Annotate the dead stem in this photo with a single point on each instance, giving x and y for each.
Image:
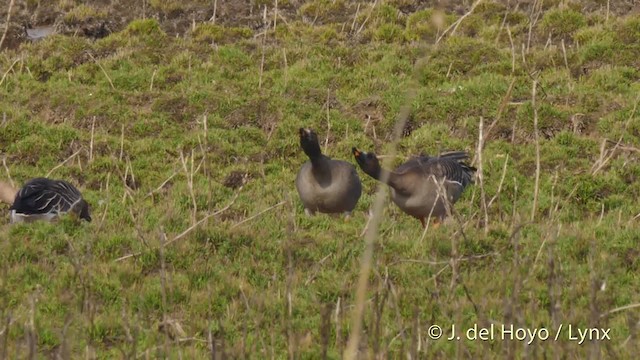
(536, 189)
(370, 237)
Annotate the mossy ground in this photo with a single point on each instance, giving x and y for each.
(155, 125)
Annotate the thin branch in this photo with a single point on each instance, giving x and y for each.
(6, 24)
(621, 308)
(603, 160)
(8, 70)
(93, 127)
(187, 231)
(6, 169)
(103, 70)
(258, 214)
(536, 189)
(480, 175)
(184, 233)
(453, 27)
(504, 173)
(370, 237)
(161, 185)
(62, 163)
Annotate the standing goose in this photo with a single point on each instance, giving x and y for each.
(326, 185)
(46, 199)
(413, 184)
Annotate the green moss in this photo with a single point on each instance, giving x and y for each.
(628, 30)
(170, 7)
(324, 11)
(146, 27)
(210, 33)
(388, 33)
(562, 22)
(82, 13)
(463, 55)
(383, 14)
(425, 24)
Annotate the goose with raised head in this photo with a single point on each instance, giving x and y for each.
(326, 185)
(419, 186)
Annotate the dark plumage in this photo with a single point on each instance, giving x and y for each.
(413, 184)
(326, 185)
(46, 199)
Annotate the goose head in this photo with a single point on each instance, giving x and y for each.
(368, 162)
(309, 143)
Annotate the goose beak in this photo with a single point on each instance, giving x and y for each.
(305, 132)
(356, 152)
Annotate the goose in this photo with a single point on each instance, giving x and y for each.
(413, 184)
(38, 32)
(46, 199)
(326, 185)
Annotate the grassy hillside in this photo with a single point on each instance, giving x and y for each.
(180, 128)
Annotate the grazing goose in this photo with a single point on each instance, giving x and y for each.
(413, 184)
(46, 199)
(38, 32)
(326, 185)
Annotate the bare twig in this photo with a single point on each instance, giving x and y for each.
(370, 237)
(504, 173)
(316, 269)
(513, 51)
(215, 9)
(603, 160)
(564, 55)
(153, 76)
(6, 24)
(263, 45)
(621, 308)
(503, 105)
(275, 15)
(93, 127)
(163, 292)
(187, 231)
(189, 173)
(161, 185)
(453, 27)
(258, 214)
(480, 175)
(121, 143)
(103, 70)
(62, 163)
(355, 17)
(6, 169)
(368, 16)
(536, 188)
(326, 139)
(8, 70)
(106, 208)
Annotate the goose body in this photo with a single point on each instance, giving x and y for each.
(39, 32)
(326, 185)
(420, 186)
(46, 199)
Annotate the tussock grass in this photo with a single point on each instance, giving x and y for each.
(185, 147)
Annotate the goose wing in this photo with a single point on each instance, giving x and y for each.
(41, 196)
(448, 166)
